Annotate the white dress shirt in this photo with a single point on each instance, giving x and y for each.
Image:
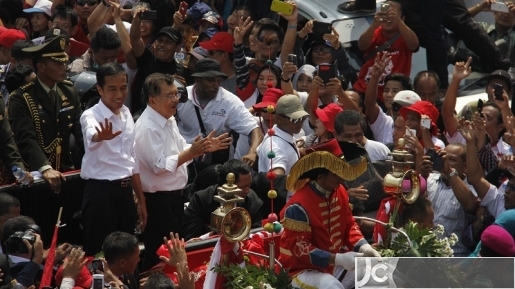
(109, 159)
(224, 113)
(158, 145)
(286, 152)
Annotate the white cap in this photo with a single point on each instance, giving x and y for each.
(406, 97)
(41, 6)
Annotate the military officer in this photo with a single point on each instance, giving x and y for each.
(45, 112)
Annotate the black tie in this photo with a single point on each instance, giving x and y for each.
(53, 96)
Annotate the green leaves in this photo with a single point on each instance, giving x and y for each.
(255, 276)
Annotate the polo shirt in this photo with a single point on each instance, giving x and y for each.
(224, 113)
(286, 152)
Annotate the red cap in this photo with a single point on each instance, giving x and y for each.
(331, 146)
(327, 115)
(421, 108)
(497, 239)
(84, 279)
(9, 36)
(270, 97)
(221, 41)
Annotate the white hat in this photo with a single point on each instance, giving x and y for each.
(406, 97)
(41, 6)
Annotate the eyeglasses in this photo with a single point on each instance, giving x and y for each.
(264, 110)
(172, 96)
(262, 39)
(396, 106)
(294, 120)
(322, 49)
(84, 2)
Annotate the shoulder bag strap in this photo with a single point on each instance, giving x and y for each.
(200, 122)
(382, 47)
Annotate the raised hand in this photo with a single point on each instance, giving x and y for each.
(307, 29)
(359, 193)
(115, 6)
(105, 132)
(176, 250)
(462, 69)
(293, 16)
(333, 38)
(185, 278)
(467, 130)
(380, 64)
(72, 265)
(241, 29)
(289, 69)
(200, 146)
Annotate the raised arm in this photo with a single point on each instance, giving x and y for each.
(407, 34)
(461, 71)
(365, 40)
(289, 69)
(98, 18)
(372, 109)
(291, 33)
(138, 46)
(130, 59)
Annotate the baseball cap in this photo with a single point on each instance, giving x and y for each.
(198, 10)
(170, 32)
(9, 36)
(213, 18)
(497, 239)
(406, 97)
(222, 41)
(208, 67)
(500, 74)
(270, 97)
(198, 53)
(327, 115)
(42, 6)
(290, 106)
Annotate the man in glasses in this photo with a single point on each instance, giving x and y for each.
(221, 49)
(84, 8)
(164, 167)
(210, 107)
(290, 116)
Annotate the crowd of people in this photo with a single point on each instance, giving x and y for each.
(156, 102)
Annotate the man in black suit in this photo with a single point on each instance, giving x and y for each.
(45, 112)
(197, 216)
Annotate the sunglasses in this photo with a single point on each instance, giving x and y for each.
(294, 120)
(264, 110)
(84, 2)
(396, 106)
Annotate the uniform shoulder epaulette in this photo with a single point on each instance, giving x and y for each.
(27, 86)
(67, 82)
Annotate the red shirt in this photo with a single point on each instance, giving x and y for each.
(80, 36)
(400, 62)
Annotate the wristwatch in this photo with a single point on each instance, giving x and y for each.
(453, 173)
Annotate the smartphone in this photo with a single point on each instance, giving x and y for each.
(468, 114)
(283, 7)
(411, 132)
(292, 58)
(321, 28)
(148, 15)
(385, 7)
(183, 7)
(425, 123)
(480, 107)
(326, 72)
(98, 281)
(499, 7)
(436, 159)
(498, 91)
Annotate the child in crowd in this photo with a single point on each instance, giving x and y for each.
(40, 16)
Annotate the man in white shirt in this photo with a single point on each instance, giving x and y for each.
(210, 107)
(350, 126)
(163, 156)
(290, 116)
(110, 164)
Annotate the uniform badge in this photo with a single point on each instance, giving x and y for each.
(62, 42)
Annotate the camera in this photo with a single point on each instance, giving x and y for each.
(15, 244)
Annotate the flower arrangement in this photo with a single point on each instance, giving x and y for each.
(254, 277)
(422, 243)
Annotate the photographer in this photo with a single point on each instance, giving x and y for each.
(24, 248)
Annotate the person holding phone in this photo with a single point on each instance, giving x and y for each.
(422, 116)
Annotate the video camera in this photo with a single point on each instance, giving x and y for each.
(15, 244)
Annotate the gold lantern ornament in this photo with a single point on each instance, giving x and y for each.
(227, 220)
(403, 169)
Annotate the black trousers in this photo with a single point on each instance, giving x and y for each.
(164, 215)
(107, 206)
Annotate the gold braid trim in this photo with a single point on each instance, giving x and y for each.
(50, 150)
(323, 159)
(295, 225)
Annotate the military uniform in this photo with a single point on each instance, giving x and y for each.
(9, 152)
(43, 118)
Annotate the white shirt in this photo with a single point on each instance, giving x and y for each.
(110, 159)
(382, 128)
(224, 113)
(494, 199)
(158, 145)
(448, 211)
(286, 152)
(499, 149)
(376, 151)
(252, 99)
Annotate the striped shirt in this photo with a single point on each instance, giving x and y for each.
(448, 211)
